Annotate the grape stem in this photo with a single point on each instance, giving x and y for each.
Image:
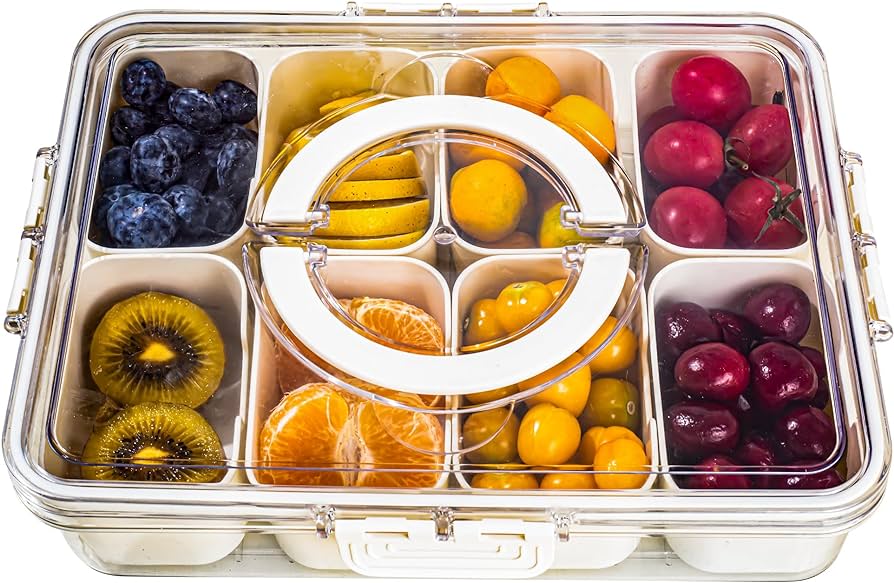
(781, 208)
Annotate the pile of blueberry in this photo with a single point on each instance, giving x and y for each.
(180, 171)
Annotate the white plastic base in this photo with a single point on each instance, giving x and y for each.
(739, 555)
(160, 548)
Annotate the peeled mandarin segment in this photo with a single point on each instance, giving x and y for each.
(568, 481)
(481, 324)
(337, 104)
(498, 481)
(526, 77)
(384, 434)
(399, 321)
(491, 395)
(387, 242)
(304, 431)
(464, 155)
(366, 190)
(548, 436)
(621, 455)
(570, 393)
(585, 120)
(552, 233)
(376, 219)
(486, 199)
(521, 303)
(618, 355)
(516, 240)
(402, 165)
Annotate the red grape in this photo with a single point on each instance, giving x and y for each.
(779, 311)
(711, 90)
(685, 153)
(712, 371)
(765, 214)
(681, 326)
(696, 429)
(780, 375)
(689, 217)
(762, 138)
(719, 474)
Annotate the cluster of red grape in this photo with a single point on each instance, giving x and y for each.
(740, 393)
(713, 157)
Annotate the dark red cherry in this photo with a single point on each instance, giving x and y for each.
(780, 375)
(779, 311)
(735, 330)
(712, 371)
(697, 429)
(819, 365)
(719, 474)
(681, 326)
(805, 477)
(806, 432)
(756, 451)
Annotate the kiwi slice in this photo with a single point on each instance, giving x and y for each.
(154, 442)
(155, 347)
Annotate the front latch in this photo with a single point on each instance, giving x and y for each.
(563, 521)
(443, 518)
(324, 521)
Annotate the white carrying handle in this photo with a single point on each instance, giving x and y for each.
(481, 549)
(289, 286)
(296, 188)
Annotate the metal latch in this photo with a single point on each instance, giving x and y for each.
(443, 518)
(865, 246)
(324, 520)
(16, 321)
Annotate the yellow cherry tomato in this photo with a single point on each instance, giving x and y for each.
(548, 435)
(481, 324)
(499, 424)
(556, 286)
(570, 393)
(612, 402)
(520, 303)
(501, 481)
(595, 437)
(567, 481)
(620, 455)
(491, 395)
(618, 355)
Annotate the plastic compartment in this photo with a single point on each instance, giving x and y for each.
(305, 80)
(652, 79)
(215, 285)
(187, 67)
(721, 283)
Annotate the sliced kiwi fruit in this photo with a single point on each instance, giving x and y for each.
(154, 442)
(155, 347)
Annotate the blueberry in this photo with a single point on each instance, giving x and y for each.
(221, 216)
(115, 167)
(190, 206)
(159, 111)
(236, 162)
(128, 124)
(101, 207)
(154, 163)
(143, 82)
(196, 171)
(194, 109)
(237, 102)
(229, 132)
(140, 220)
(185, 142)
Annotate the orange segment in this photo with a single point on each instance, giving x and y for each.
(303, 431)
(399, 321)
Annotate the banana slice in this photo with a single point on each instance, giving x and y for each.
(389, 242)
(376, 219)
(403, 165)
(368, 190)
(337, 104)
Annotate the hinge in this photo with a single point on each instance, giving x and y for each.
(352, 9)
(443, 518)
(324, 520)
(563, 521)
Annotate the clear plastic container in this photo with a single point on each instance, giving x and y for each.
(444, 338)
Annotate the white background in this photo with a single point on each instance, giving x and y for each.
(36, 45)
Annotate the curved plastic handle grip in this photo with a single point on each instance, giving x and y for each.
(396, 547)
(596, 195)
(289, 286)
